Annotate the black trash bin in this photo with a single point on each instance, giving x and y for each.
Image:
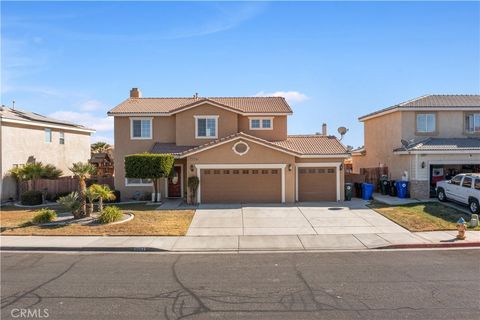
(358, 189)
(384, 185)
(393, 188)
(348, 191)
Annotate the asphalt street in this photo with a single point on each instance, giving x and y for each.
(431, 284)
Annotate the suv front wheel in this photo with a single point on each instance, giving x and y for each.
(473, 205)
(441, 195)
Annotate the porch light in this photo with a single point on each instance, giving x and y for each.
(289, 167)
(423, 165)
(341, 166)
(192, 167)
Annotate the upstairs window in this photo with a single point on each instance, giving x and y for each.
(141, 128)
(206, 127)
(426, 123)
(472, 123)
(48, 135)
(62, 138)
(261, 123)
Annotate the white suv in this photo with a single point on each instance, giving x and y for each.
(463, 188)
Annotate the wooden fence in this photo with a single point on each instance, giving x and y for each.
(62, 184)
(354, 178)
(372, 175)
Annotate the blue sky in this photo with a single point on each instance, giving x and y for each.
(333, 61)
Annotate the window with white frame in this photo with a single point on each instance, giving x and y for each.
(261, 123)
(48, 135)
(135, 182)
(62, 138)
(426, 122)
(472, 123)
(206, 127)
(141, 128)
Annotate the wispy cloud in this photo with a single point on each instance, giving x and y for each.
(96, 138)
(89, 120)
(91, 105)
(292, 97)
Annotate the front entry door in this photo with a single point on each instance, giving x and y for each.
(175, 183)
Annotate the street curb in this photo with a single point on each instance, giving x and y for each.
(84, 249)
(432, 245)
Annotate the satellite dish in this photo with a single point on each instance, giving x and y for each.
(405, 143)
(342, 131)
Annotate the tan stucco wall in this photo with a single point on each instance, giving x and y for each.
(383, 134)
(257, 154)
(185, 124)
(19, 142)
(449, 124)
(279, 131)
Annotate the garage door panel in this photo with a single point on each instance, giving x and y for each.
(240, 185)
(317, 184)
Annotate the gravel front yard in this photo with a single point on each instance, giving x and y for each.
(147, 222)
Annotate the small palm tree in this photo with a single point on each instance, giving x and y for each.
(101, 192)
(99, 147)
(71, 202)
(82, 171)
(32, 172)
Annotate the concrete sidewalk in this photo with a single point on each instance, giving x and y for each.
(237, 243)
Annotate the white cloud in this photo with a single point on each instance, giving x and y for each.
(91, 105)
(86, 119)
(292, 97)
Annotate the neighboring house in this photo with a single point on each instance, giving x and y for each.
(441, 137)
(238, 147)
(103, 163)
(30, 137)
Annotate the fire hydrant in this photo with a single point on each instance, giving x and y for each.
(462, 228)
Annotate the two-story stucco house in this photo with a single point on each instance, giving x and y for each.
(441, 138)
(237, 146)
(29, 137)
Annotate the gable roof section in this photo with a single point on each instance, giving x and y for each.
(31, 118)
(439, 145)
(432, 102)
(169, 106)
(299, 146)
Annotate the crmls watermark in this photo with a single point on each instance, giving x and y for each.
(21, 313)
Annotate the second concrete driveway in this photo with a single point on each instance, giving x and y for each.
(349, 217)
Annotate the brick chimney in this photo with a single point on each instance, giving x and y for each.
(135, 93)
(324, 129)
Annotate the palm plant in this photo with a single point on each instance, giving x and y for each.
(32, 172)
(71, 202)
(82, 171)
(99, 147)
(101, 192)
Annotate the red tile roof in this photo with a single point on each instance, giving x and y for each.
(435, 102)
(173, 105)
(302, 145)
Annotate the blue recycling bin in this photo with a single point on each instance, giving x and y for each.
(367, 191)
(402, 189)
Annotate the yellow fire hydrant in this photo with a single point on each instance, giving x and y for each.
(462, 228)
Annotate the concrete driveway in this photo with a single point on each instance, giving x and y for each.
(349, 217)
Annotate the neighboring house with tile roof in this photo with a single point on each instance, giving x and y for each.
(237, 146)
(424, 140)
(28, 137)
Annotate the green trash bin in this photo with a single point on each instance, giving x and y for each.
(384, 185)
(348, 191)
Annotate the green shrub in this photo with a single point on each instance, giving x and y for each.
(44, 216)
(31, 198)
(59, 195)
(110, 214)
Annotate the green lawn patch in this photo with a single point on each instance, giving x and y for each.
(427, 216)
